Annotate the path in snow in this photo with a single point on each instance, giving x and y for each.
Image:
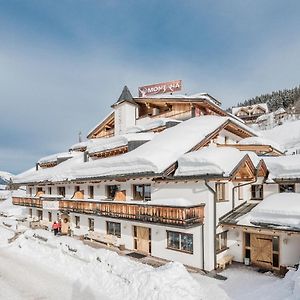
(22, 279)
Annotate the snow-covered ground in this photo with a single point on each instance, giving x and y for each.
(38, 265)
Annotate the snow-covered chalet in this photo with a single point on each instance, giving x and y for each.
(175, 177)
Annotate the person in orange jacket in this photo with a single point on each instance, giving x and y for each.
(55, 228)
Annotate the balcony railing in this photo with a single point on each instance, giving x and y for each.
(170, 215)
(26, 201)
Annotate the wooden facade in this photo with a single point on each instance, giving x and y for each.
(170, 215)
(110, 152)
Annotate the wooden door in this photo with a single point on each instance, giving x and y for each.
(142, 235)
(261, 250)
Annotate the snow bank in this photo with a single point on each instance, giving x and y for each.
(280, 210)
(119, 277)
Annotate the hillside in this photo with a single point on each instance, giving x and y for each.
(283, 98)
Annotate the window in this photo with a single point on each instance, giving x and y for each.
(111, 191)
(286, 188)
(30, 191)
(30, 212)
(61, 190)
(240, 193)
(142, 192)
(40, 215)
(91, 224)
(77, 221)
(91, 191)
(77, 188)
(220, 190)
(180, 241)
(49, 190)
(39, 189)
(113, 228)
(221, 241)
(49, 216)
(257, 191)
(275, 249)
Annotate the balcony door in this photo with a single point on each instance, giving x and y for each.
(142, 239)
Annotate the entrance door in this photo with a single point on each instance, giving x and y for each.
(65, 224)
(262, 250)
(142, 239)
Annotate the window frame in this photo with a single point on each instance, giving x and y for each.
(114, 232)
(91, 191)
(77, 222)
(61, 188)
(181, 236)
(281, 185)
(143, 197)
(107, 190)
(222, 191)
(91, 224)
(220, 247)
(261, 192)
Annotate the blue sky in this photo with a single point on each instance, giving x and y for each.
(63, 63)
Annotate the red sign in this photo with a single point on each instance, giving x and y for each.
(160, 88)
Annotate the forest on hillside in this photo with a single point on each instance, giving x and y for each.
(282, 98)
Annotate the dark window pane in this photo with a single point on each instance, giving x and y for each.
(247, 239)
(247, 253)
(275, 260)
(173, 240)
(275, 243)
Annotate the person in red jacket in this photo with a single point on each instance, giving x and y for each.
(55, 227)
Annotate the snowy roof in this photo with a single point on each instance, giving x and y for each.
(286, 135)
(256, 140)
(278, 210)
(55, 157)
(265, 117)
(154, 156)
(283, 167)
(250, 107)
(203, 96)
(280, 110)
(103, 120)
(102, 144)
(80, 145)
(151, 125)
(210, 160)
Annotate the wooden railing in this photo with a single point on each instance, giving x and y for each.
(171, 215)
(28, 201)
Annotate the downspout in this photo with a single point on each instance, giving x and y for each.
(202, 240)
(214, 220)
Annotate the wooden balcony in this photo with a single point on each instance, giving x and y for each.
(143, 212)
(28, 201)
